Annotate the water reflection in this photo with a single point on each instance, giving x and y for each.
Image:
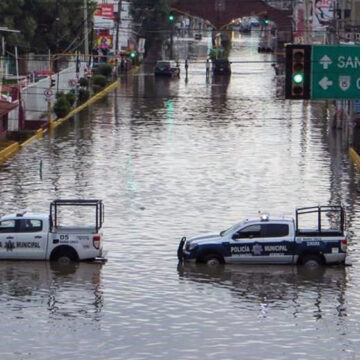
(73, 290)
(278, 287)
(219, 88)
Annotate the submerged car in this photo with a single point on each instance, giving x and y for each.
(167, 68)
(221, 67)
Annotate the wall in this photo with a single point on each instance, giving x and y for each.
(33, 97)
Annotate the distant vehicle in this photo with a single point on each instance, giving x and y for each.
(198, 37)
(268, 240)
(30, 236)
(221, 67)
(43, 74)
(254, 22)
(167, 68)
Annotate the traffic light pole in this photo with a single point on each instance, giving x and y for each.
(171, 41)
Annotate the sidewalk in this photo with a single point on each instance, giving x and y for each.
(9, 148)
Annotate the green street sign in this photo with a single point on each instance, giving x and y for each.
(335, 72)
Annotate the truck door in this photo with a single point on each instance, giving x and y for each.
(262, 243)
(31, 240)
(8, 232)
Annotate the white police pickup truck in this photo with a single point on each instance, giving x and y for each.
(29, 236)
(274, 240)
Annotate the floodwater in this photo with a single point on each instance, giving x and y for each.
(172, 158)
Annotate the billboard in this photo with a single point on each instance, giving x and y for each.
(105, 11)
(322, 14)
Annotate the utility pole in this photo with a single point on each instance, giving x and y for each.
(307, 12)
(55, 64)
(86, 37)
(2, 62)
(118, 22)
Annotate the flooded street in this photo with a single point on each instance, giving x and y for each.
(172, 158)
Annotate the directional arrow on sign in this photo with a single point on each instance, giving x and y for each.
(325, 83)
(325, 61)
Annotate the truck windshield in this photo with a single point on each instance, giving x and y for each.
(231, 229)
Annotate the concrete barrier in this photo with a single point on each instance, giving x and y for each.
(9, 151)
(355, 157)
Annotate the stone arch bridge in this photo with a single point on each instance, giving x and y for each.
(220, 13)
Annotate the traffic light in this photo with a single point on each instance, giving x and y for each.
(133, 54)
(297, 76)
(171, 18)
(266, 21)
(52, 82)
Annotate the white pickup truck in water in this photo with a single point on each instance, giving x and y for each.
(29, 236)
(268, 240)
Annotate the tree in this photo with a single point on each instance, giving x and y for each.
(39, 28)
(152, 18)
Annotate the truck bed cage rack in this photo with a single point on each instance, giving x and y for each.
(99, 215)
(337, 210)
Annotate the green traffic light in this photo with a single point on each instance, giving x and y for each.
(171, 17)
(298, 78)
(133, 54)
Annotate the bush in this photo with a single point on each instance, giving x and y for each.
(96, 88)
(84, 82)
(59, 95)
(99, 80)
(103, 69)
(71, 97)
(84, 95)
(61, 107)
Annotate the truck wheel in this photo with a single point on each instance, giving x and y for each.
(311, 261)
(65, 256)
(213, 260)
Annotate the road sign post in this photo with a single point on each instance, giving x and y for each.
(335, 72)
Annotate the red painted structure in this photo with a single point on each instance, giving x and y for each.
(221, 12)
(5, 108)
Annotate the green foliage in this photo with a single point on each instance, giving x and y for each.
(151, 14)
(103, 69)
(96, 88)
(153, 22)
(59, 95)
(61, 107)
(84, 82)
(71, 97)
(39, 29)
(84, 95)
(99, 80)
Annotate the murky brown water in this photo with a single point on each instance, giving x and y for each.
(172, 158)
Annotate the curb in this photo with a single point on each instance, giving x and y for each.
(15, 147)
(355, 157)
(9, 151)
